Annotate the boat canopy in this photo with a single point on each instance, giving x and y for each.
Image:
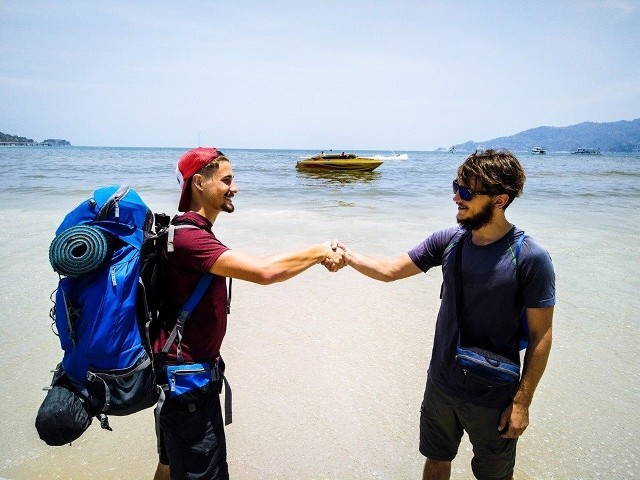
(334, 156)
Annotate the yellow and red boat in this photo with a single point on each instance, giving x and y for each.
(339, 161)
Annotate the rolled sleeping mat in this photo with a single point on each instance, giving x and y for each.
(79, 250)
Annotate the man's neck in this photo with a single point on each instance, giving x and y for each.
(209, 215)
(488, 234)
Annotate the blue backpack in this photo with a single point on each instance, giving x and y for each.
(101, 313)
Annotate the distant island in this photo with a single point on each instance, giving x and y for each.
(621, 137)
(6, 139)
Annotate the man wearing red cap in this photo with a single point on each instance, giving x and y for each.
(192, 435)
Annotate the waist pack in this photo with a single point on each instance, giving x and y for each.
(487, 367)
(190, 382)
(187, 380)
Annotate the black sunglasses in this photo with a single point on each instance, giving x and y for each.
(465, 193)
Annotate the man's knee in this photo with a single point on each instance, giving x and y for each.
(162, 472)
(436, 470)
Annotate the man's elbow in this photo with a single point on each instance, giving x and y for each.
(267, 276)
(387, 278)
(542, 340)
(391, 274)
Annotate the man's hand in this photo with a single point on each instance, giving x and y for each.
(336, 257)
(335, 244)
(514, 421)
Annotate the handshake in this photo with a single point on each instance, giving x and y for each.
(337, 255)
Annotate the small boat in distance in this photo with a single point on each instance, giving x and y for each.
(587, 151)
(339, 161)
(538, 151)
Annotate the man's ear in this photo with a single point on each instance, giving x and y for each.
(501, 200)
(197, 180)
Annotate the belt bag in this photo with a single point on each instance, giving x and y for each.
(486, 367)
(188, 382)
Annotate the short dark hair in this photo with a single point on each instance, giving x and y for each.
(498, 172)
(212, 166)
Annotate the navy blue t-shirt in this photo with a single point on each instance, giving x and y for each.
(491, 309)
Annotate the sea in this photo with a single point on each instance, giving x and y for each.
(328, 370)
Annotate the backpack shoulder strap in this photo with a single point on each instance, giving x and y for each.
(516, 256)
(519, 246)
(170, 247)
(171, 231)
(197, 294)
(523, 342)
(185, 313)
(458, 282)
(454, 240)
(177, 223)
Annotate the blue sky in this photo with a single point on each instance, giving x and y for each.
(347, 75)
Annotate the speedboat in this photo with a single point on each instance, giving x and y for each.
(538, 150)
(339, 161)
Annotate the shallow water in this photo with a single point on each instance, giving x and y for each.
(329, 370)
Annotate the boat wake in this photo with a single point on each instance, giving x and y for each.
(397, 156)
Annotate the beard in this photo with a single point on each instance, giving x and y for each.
(479, 220)
(228, 206)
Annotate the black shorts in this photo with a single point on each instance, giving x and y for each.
(192, 440)
(443, 419)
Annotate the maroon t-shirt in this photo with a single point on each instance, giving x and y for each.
(195, 252)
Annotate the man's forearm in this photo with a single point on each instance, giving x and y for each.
(376, 268)
(535, 363)
(281, 267)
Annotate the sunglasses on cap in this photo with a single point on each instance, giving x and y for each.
(467, 194)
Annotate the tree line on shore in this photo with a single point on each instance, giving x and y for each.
(6, 139)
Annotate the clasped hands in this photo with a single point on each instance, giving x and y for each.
(337, 257)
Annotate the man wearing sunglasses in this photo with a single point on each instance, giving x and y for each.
(499, 286)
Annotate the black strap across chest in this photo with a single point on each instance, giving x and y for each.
(459, 282)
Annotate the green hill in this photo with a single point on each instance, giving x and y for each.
(4, 137)
(621, 136)
(14, 139)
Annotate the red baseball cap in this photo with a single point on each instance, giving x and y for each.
(189, 164)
